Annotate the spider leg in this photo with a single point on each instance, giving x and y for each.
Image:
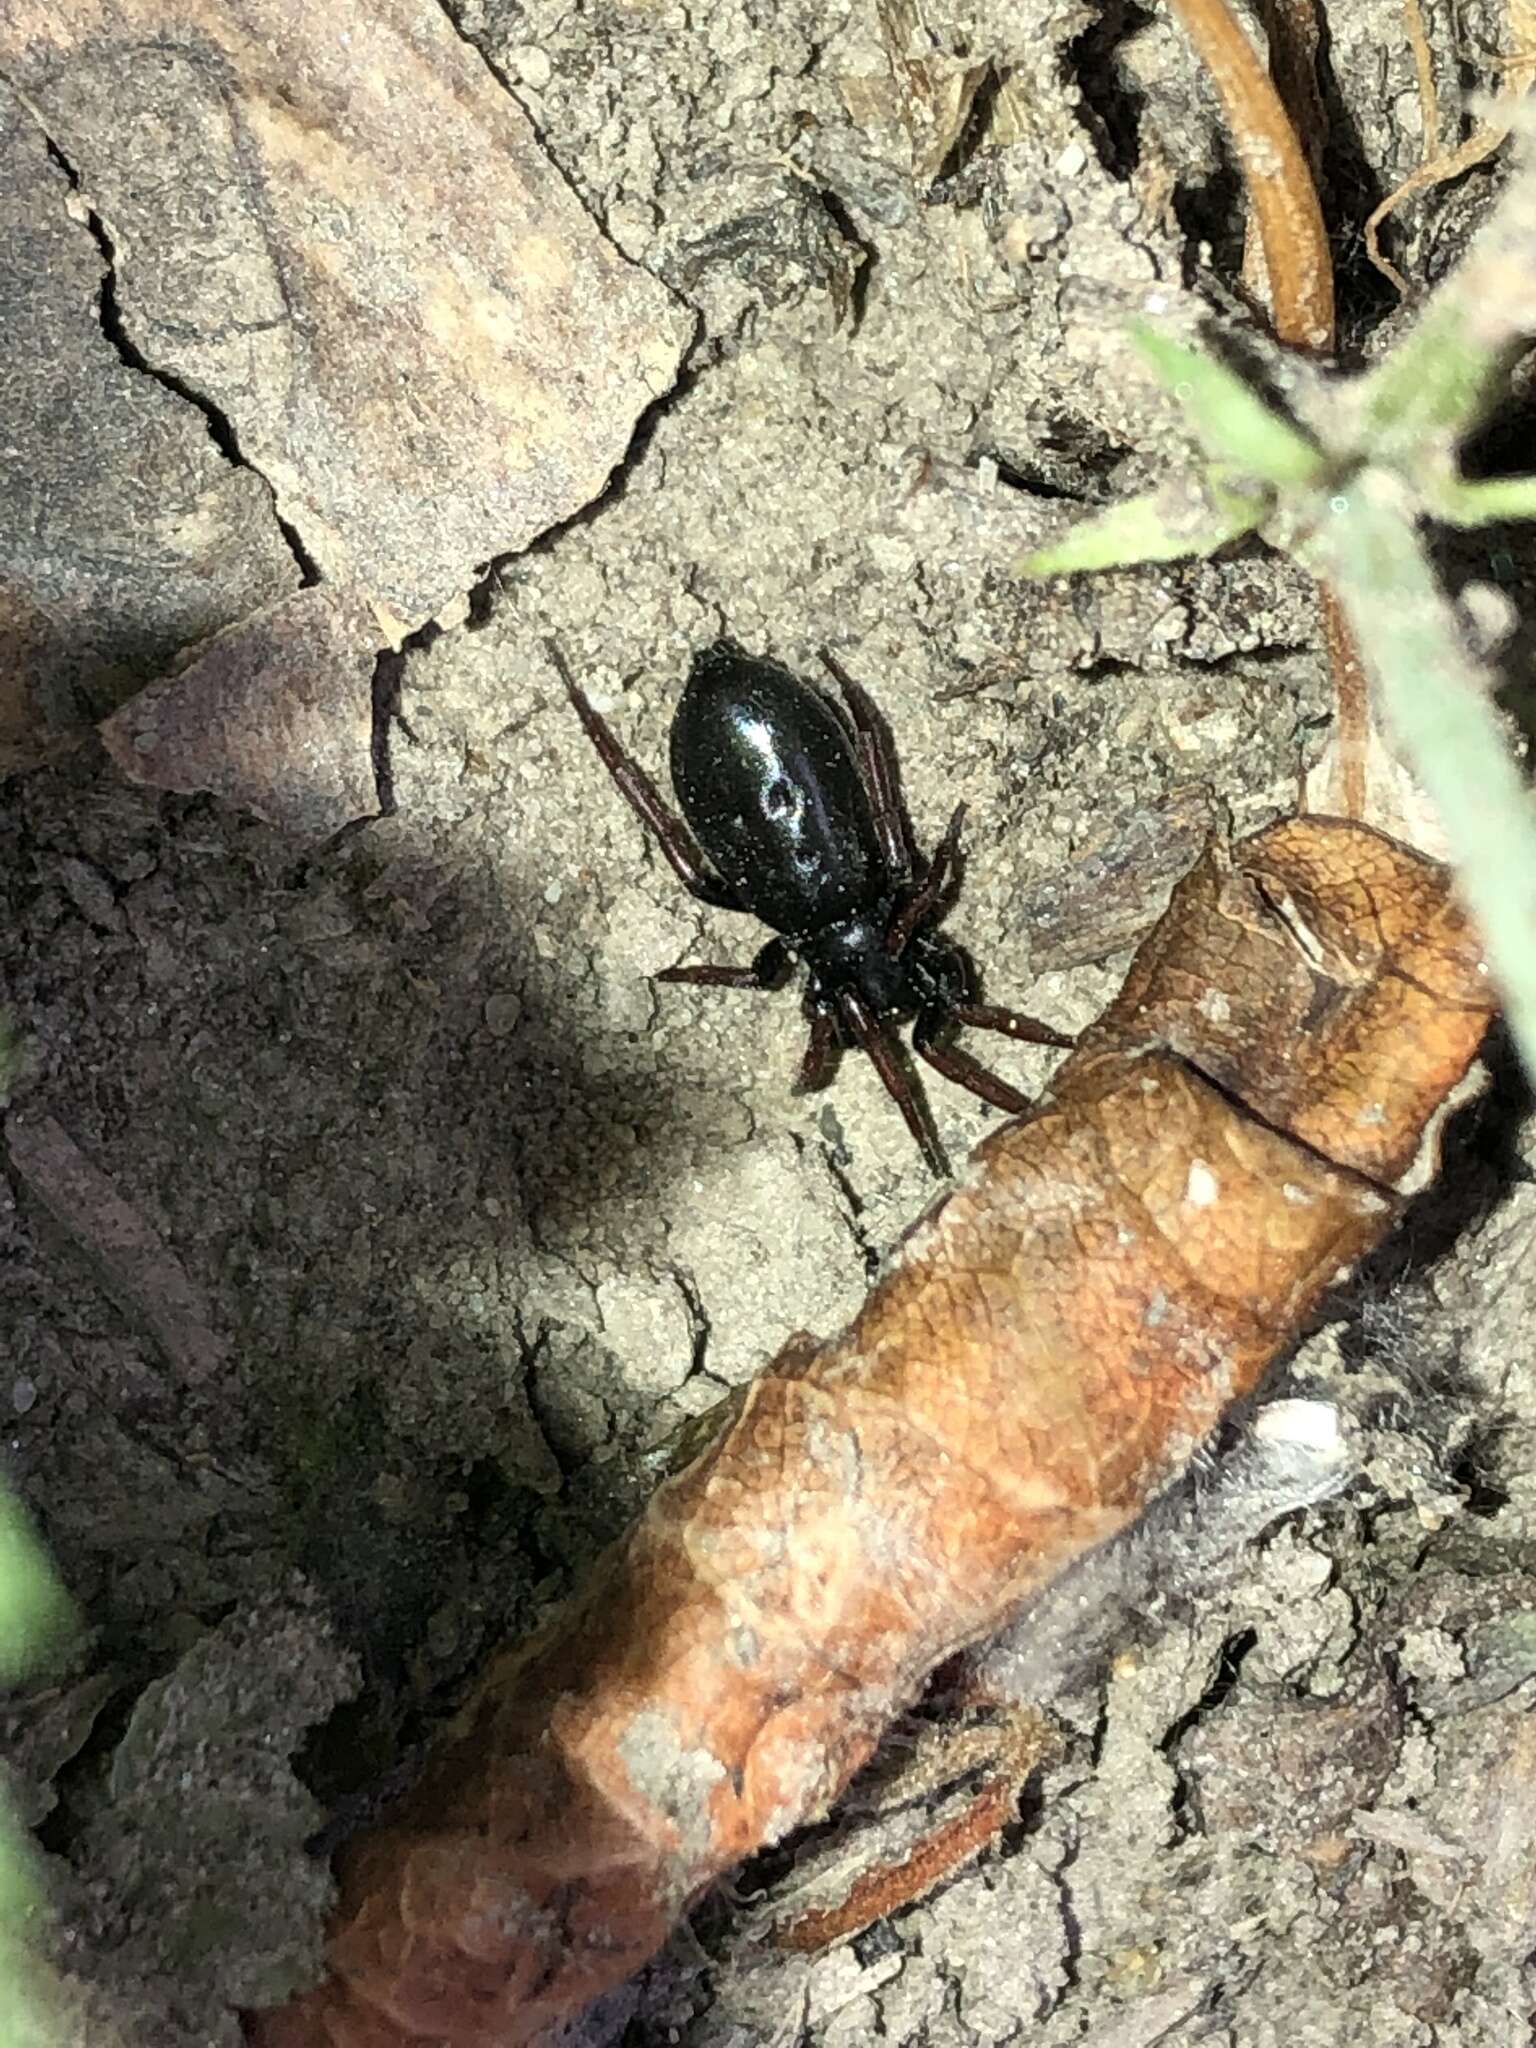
(1013, 1023)
(929, 900)
(766, 971)
(879, 769)
(871, 1037)
(821, 1050)
(645, 799)
(959, 1067)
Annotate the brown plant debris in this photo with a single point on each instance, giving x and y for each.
(1043, 1355)
(1439, 166)
(1275, 172)
(276, 715)
(336, 228)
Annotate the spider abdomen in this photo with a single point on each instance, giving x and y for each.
(767, 776)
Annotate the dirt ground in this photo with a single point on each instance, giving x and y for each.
(463, 1216)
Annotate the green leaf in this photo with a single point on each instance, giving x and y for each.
(35, 1611)
(1164, 526)
(1436, 383)
(35, 1614)
(1235, 424)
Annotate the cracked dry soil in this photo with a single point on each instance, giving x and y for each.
(480, 1217)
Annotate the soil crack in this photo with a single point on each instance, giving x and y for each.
(221, 429)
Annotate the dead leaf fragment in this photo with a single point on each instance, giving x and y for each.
(128, 1254)
(275, 715)
(127, 535)
(336, 226)
(1116, 886)
(934, 88)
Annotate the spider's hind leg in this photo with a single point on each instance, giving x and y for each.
(959, 1067)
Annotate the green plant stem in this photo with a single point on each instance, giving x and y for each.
(35, 1616)
(1439, 706)
(1482, 503)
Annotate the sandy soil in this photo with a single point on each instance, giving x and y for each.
(472, 1217)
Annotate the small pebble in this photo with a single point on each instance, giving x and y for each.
(501, 1013)
(530, 66)
(23, 1393)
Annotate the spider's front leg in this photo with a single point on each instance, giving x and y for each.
(767, 970)
(931, 900)
(959, 1067)
(647, 802)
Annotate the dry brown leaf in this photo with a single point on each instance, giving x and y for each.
(1043, 1356)
(335, 225)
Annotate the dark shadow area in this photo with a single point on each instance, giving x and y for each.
(1112, 106)
(1480, 1163)
(1503, 556)
(1350, 192)
(1212, 211)
(320, 1067)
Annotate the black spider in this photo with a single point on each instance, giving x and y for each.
(796, 819)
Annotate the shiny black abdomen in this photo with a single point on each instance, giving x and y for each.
(768, 777)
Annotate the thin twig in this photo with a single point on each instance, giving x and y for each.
(1283, 195)
(1275, 170)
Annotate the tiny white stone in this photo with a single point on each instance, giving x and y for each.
(1312, 1424)
(1202, 1186)
(531, 65)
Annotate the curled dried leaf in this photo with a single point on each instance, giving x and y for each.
(1044, 1354)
